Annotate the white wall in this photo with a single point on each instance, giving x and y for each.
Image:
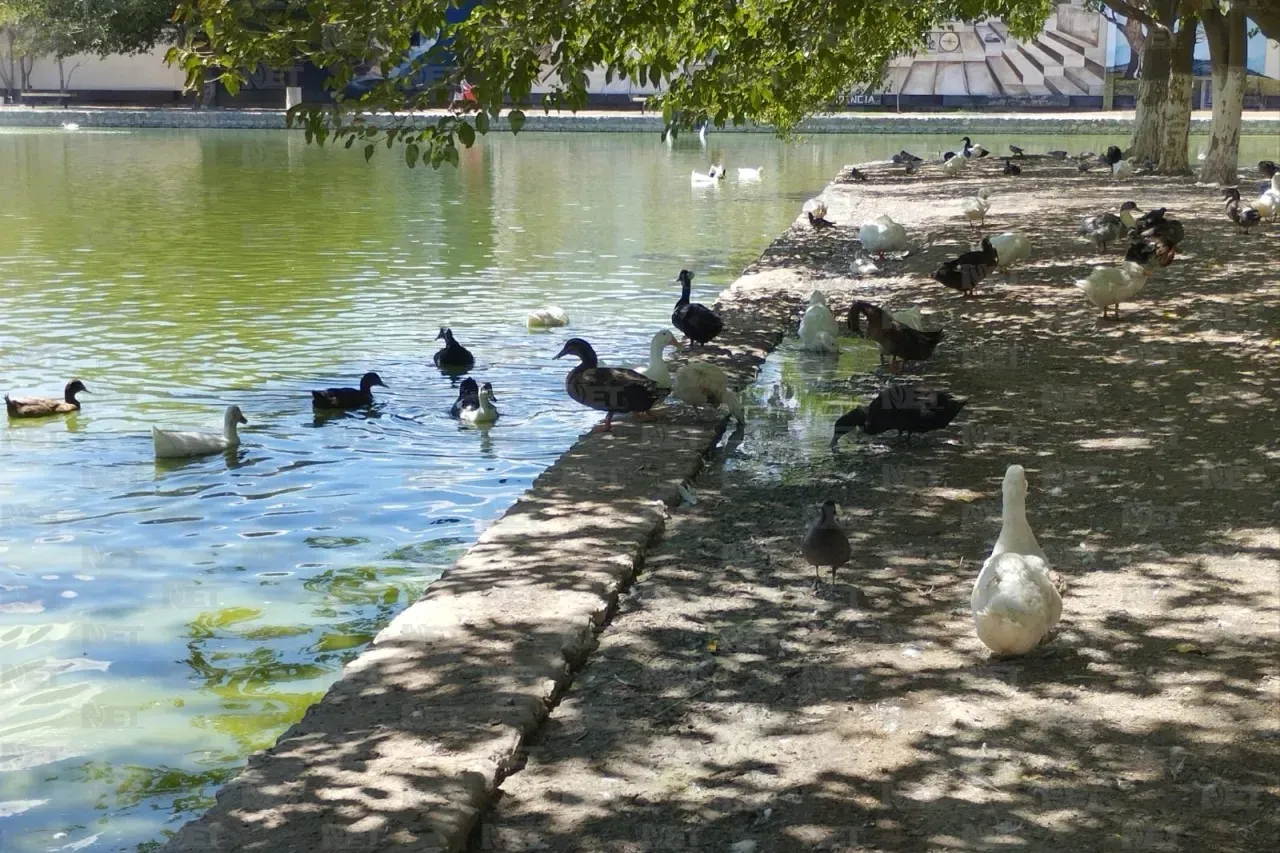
(145, 71)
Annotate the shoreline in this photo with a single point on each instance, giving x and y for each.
(596, 121)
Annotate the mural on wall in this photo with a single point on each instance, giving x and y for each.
(1068, 58)
(1128, 40)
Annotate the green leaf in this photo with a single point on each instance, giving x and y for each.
(411, 154)
(515, 120)
(351, 140)
(482, 122)
(466, 134)
(368, 152)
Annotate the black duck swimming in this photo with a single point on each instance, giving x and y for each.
(468, 398)
(348, 398)
(454, 356)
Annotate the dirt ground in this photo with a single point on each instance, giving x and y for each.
(733, 706)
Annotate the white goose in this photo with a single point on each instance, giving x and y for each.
(1014, 602)
(818, 327)
(882, 235)
(657, 369)
(172, 444)
(485, 413)
(550, 317)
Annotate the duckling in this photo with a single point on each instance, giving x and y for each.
(1244, 217)
(454, 356)
(1010, 167)
(967, 271)
(1014, 601)
(171, 444)
(483, 412)
(613, 390)
(39, 407)
(900, 341)
(975, 208)
(348, 398)
(1107, 227)
(698, 322)
(1011, 247)
(550, 317)
(1019, 153)
(818, 328)
(657, 368)
(903, 408)
(701, 383)
(468, 398)
(882, 235)
(825, 544)
(1109, 286)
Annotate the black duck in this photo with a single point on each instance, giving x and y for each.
(348, 398)
(468, 398)
(903, 408)
(1108, 227)
(39, 407)
(825, 544)
(899, 341)
(454, 356)
(1018, 152)
(820, 222)
(1244, 217)
(698, 322)
(1010, 167)
(614, 390)
(967, 271)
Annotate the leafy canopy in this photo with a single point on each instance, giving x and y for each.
(771, 61)
(65, 27)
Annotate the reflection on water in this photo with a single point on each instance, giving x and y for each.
(159, 620)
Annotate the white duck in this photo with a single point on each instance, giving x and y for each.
(975, 207)
(749, 175)
(550, 317)
(657, 369)
(882, 235)
(818, 327)
(955, 165)
(1268, 204)
(913, 319)
(485, 413)
(862, 265)
(172, 444)
(711, 177)
(1108, 286)
(1014, 601)
(1011, 247)
(700, 383)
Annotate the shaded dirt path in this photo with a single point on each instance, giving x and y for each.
(731, 703)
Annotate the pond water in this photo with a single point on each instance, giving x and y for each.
(160, 621)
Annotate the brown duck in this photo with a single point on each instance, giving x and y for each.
(825, 543)
(614, 390)
(40, 407)
(901, 342)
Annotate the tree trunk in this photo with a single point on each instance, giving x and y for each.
(1153, 92)
(1133, 35)
(1177, 108)
(1228, 42)
(209, 90)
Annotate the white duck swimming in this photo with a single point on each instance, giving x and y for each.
(711, 177)
(882, 235)
(818, 327)
(1109, 286)
(172, 444)
(657, 369)
(550, 317)
(485, 413)
(748, 175)
(1014, 601)
(1011, 247)
(975, 207)
(700, 383)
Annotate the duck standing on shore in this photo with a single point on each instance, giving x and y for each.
(896, 339)
(454, 357)
(613, 390)
(825, 544)
(1104, 228)
(698, 322)
(348, 398)
(903, 408)
(41, 407)
(1109, 286)
(882, 235)
(975, 208)
(1244, 217)
(969, 269)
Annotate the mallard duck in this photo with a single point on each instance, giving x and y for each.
(454, 356)
(550, 317)
(967, 271)
(1011, 247)
(1011, 168)
(1109, 286)
(39, 407)
(348, 398)
(1019, 153)
(882, 235)
(701, 383)
(1244, 217)
(1120, 167)
(818, 327)
(613, 390)
(824, 542)
(900, 341)
(172, 444)
(468, 398)
(657, 369)
(912, 318)
(748, 175)
(903, 408)
(483, 412)
(698, 322)
(975, 207)
(1107, 227)
(1014, 601)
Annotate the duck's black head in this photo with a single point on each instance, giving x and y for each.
(1114, 155)
(1231, 193)
(987, 247)
(580, 348)
(967, 141)
(468, 388)
(446, 334)
(828, 510)
(1268, 168)
(1128, 205)
(847, 423)
(685, 278)
(74, 387)
(488, 389)
(369, 380)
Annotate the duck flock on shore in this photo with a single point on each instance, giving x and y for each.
(1015, 601)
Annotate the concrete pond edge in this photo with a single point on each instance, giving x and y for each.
(407, 748)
